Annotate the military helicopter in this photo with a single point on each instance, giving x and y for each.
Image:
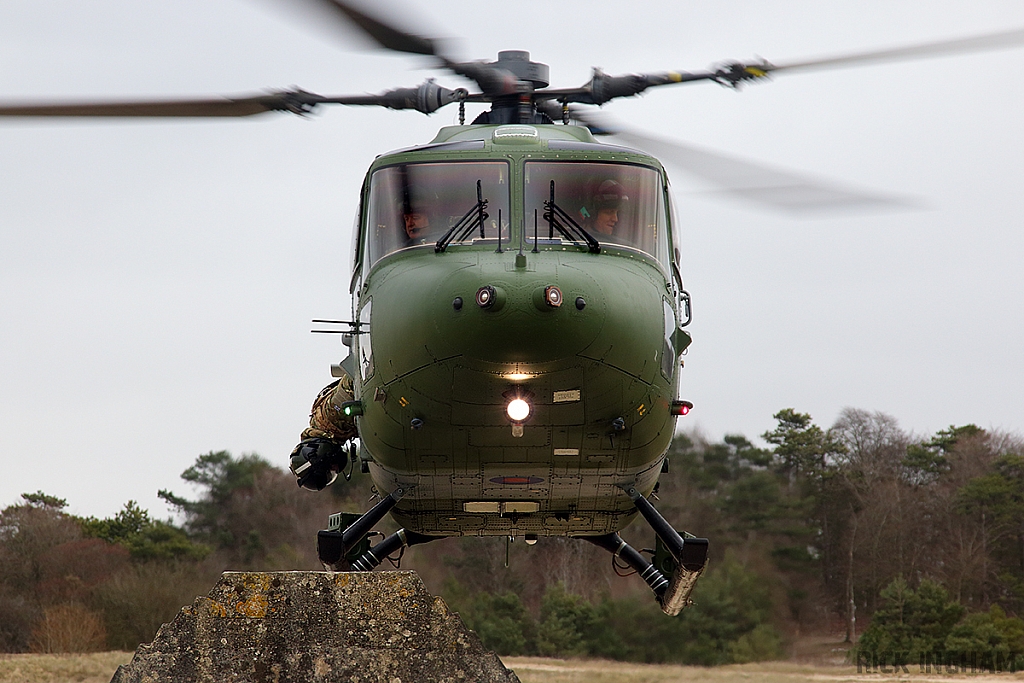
(513, 366)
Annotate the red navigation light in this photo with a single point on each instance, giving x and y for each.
(681, 407)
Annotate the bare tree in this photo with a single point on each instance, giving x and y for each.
(869, 476)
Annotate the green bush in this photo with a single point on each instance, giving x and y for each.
(761, 644)
(571, 626)
(729, 622)
(503, 624)
(145, 538)
(927, 625)
(915, 622)
(989, 637)
(502, 621)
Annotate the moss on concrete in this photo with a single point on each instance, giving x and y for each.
(298, 627)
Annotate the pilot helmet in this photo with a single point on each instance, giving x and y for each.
(422, 203)
(609, 195)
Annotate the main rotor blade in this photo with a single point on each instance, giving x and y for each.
(773, 188)
(603, 88)
(386, 35)
(776, 189)
(426, 98)
(981, 43)
(294, 101)
(492, 80)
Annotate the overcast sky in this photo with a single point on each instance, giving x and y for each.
(157, 279)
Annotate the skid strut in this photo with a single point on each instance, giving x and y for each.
(689, 554)
(369, 560)
(614, 544)
(333, 545)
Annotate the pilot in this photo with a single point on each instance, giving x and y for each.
(607, 201)
(417, 224)
(416, 220)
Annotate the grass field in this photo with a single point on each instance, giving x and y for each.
(99, 667)
(95, 667)
(534, 670)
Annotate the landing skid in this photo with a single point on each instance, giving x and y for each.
(689, 556)
(343, 547)
(686, 561)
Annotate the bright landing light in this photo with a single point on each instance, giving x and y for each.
(518, 409)
(517, 376)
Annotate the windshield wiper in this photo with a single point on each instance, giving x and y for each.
(472, 218)
(559, 220)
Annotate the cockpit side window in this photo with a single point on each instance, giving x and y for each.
(417, 204)
(616, 203)
(676, 229)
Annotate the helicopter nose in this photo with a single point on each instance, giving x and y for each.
(519, 316)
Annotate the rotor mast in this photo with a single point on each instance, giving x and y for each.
(519, 105)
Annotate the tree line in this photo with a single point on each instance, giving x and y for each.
(860, 529)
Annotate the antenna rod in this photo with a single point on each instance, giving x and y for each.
(522, 236)
(337, 322)
(499, 231)
(535, 250)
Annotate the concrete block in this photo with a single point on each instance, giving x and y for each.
(301, 627)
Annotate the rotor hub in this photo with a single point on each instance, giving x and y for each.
(518, 63)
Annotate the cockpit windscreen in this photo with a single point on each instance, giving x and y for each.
(417, 204)
(620, 204)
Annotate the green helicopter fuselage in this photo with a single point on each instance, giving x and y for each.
(484, 276)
